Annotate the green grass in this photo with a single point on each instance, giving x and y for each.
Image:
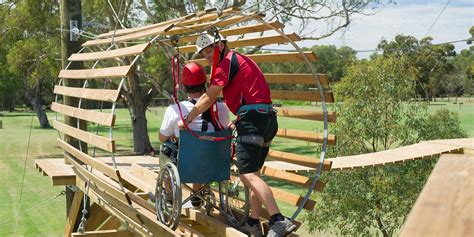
(49, 219)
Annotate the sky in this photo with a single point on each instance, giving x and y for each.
(407, 18)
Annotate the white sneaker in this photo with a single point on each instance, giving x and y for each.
(281, 228)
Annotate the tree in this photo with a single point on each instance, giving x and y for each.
(431, 61)
(31, 42)
(375, 112)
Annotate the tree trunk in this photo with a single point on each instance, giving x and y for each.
(137, 105)
(38, 108)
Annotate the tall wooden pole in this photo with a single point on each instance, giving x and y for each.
(71, 17)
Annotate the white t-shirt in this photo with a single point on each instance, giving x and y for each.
(169, 126)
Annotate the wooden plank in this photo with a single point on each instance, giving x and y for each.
(306, 114)
(313, 96)
(97, 216)
(90, 94)
(159, 30)
(445, 206)
(299, 159)
(89, 138)
(84, 114)
(237, 31)
(296, 78)
(263, 40)
(100, 73)
(217, 23)
(60, 173)
(73, 213)
(104, 186)
(272, 58)
(111, 224)
(294, 199)
(111, 207)
(210, 16)
(105, 233)
(116, 53)
(285, 176)
(221, 228)
(308, 136)
(102, 167)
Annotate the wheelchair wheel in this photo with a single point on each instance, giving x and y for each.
(168, 196)
(234, 202)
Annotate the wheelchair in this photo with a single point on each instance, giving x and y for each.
(205, 162)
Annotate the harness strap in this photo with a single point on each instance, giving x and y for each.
(261, 108)
(204, 124)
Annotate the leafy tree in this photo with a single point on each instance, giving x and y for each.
(333, 61)
(375, 113)
(431, 61)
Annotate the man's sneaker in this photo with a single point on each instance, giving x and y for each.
(252, 231)
(196, 202)
(281, 228)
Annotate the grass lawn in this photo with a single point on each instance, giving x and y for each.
(49, 218)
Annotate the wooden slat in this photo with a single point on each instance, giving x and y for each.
(109, 72)
(90, 94)
(306, 114)
(313, 96)
(272, 58)
(84, 114)
(285, 176)
(294, 199)
(92, 139)
(97, 217)
(104, 233)
(132, 36)
(74, 211)
(263, 40)
(298, 159)
(308, 136)
(103, 185)
(116, 53)
(445, 206)
(100, 166)
(221, 228)
(237, 31)
(296, 78)
(217, 23)
(210, 16)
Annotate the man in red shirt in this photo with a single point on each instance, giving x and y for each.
(247, 95)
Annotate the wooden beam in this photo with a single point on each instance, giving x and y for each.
(116, 53)
(111, 224)
(306, 114)
(205, 220)
(313, 96)
(263, 40)
(104, 233)
(296, 78)
(298, 159)
(100, 73)
(132, 36)
(97, 216)
(272, 58)
(73, 213)
(294, 199)
(100, 166)
(236, 31)
(285, 176)
(84, 114)
(90, 94)
(305, 135)
(445, 206)
(104, 143)
(206, 17)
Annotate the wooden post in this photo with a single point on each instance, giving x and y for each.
(71, 15)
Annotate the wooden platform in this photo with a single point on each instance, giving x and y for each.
(60, 173)
(445, 207)
(422, 150)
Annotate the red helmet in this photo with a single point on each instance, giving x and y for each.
(193, 74)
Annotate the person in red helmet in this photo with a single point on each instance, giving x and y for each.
(194, 81)
(247, 95)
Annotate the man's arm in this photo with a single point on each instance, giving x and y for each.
(206, 100)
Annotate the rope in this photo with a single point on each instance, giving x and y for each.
(16, 217)
(24, 170)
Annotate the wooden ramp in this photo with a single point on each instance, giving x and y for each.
(422, 150)
(445, 207)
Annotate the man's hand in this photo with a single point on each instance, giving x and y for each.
(181, 125)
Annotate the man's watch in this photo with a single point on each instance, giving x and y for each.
(186, 120)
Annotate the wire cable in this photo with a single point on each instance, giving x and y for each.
(436, 20)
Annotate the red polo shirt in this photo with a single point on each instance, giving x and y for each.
(247, 87)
